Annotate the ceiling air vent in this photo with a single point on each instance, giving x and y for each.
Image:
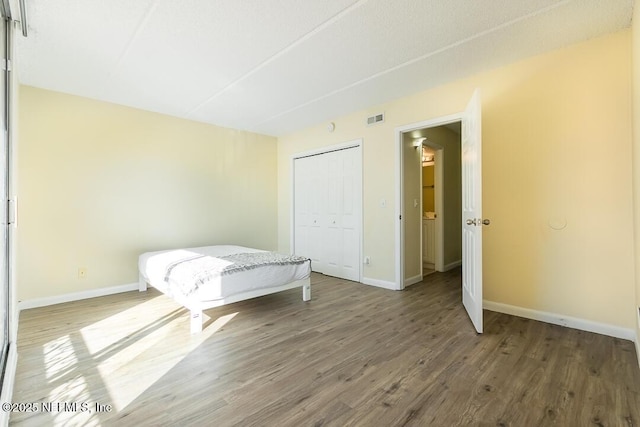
(378, 118)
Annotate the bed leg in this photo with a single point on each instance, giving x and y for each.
(306, 291)
(196, 321)
(142, 283)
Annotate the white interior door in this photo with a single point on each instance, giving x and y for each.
(310, 195)
(472, 211)
(333, 233)
(343, 214)
(302, 211)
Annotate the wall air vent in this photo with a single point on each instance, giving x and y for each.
(377, 118)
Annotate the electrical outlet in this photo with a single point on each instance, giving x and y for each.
(82, 273)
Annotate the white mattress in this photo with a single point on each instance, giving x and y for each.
(153, 268)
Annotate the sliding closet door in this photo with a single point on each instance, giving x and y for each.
(352, 213)
(343, 214)
(327, 211)
(333, 214)
(310, 196)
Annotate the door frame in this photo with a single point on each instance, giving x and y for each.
(399, 211)
(10, 102)
(355, 143)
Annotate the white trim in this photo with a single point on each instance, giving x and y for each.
(413, 280)
(399, 228)
(637, 340)
(380, 283)
(421, 210)
(361, 202)
(438, 121)
(638, 349)
(76, 296)
(438, 191)
(562, 320)
(327, 149)
(354, 143)
(9, 380)
(452, 265)
(638, 337)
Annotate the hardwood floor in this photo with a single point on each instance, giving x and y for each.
(353, 356)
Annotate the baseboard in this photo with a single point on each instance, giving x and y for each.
(452, 265)
(559, 319)
(413, 280)
(6, 395)
(638, 338)
(638, 349)
(76, 296)
(380, 283)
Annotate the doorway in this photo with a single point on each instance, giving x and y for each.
(432, 200)
(470, 160)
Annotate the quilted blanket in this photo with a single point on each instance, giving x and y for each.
(189, 273)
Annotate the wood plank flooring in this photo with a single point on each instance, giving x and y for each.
(353, 356)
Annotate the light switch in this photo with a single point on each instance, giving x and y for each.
(415, 203)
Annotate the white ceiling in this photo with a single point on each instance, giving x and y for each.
(276, 66)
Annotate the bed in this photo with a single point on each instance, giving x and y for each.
(211, 276)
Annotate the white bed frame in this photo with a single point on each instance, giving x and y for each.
(195, 306)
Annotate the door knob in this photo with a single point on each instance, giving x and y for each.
(471, 221)
(486, 222)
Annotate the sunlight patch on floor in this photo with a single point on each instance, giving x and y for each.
(73, 400)
(116, 368)
(100, 335)
(59, 357)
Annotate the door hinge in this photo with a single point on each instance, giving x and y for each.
(6, 65)
(12, 212)
(400, 217)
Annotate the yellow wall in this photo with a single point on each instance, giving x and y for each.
(548, 123)
(636, 157)
(428, 199)
(101, 183)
